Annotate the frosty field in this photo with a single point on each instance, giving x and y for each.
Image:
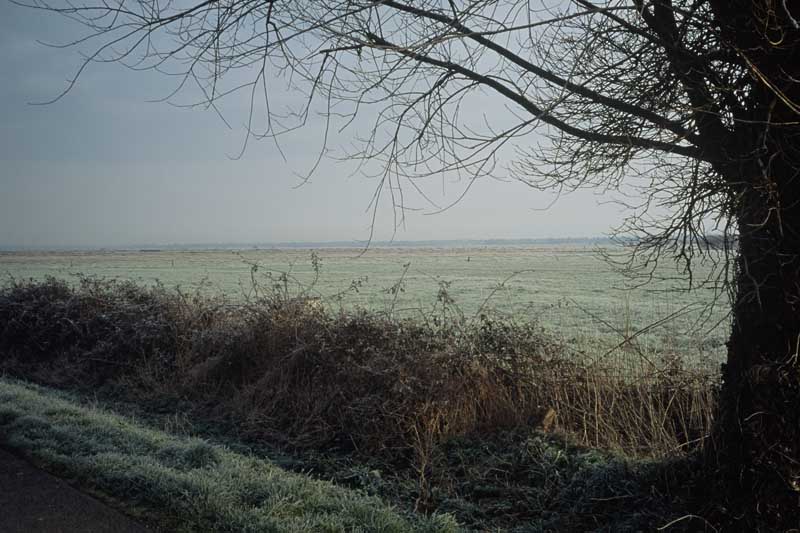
(569, 290)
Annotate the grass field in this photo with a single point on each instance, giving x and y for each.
(569, 290)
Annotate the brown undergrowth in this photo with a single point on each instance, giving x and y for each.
(283, 369)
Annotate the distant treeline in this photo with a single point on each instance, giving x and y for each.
(715, 241)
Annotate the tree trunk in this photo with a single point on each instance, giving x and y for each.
(757, 442)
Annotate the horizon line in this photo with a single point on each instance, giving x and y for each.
(295, 244)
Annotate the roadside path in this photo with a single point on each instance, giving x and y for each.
(33, 501)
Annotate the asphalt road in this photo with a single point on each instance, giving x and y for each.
(33, 501)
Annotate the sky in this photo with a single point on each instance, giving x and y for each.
(107, 166)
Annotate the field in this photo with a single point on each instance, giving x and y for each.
(569, 290)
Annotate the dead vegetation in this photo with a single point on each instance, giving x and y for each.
(359, 383)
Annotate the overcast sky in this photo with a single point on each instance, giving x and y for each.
(104, 166)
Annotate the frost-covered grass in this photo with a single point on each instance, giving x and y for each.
(567, 289)
(184, 484)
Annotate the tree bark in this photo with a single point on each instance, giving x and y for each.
(757, 442)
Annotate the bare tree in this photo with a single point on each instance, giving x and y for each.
(695, 103)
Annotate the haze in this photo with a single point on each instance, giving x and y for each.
(103, 166)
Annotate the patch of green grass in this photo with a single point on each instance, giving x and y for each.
(185, 484)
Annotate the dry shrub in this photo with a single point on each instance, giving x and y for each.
(642, 411)
(361, 381)
(285, 370)
(94, 331)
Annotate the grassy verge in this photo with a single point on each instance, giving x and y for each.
(187, 484)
